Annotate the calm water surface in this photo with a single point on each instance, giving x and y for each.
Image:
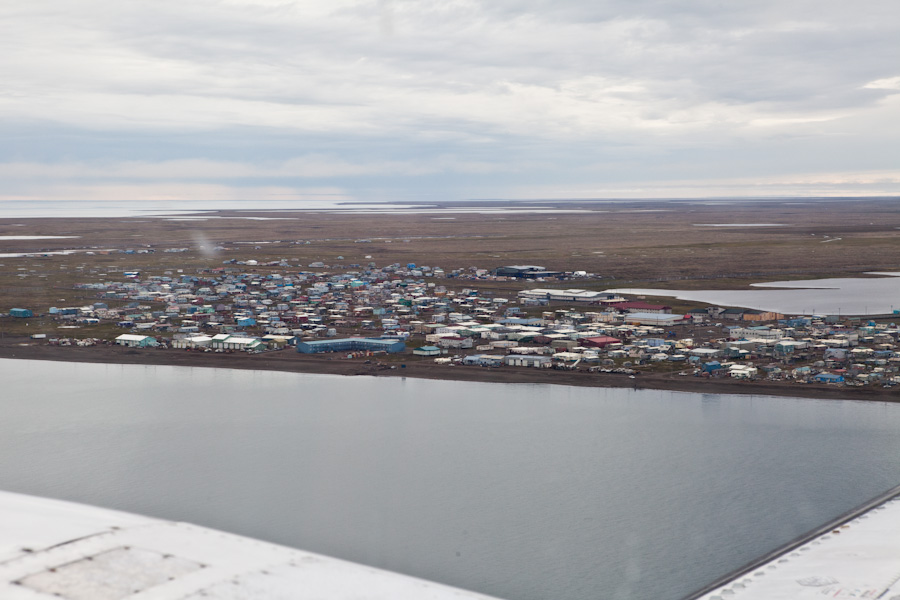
(521, 491)
(833, 296)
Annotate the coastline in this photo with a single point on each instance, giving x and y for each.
(330, 364)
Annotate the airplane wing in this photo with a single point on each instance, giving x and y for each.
(54, 549)
(855, 556)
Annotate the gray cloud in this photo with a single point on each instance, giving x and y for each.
(409, 90)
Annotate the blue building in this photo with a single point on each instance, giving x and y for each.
(796, 322)
(21, 313)
(350, 345)
(828, 378)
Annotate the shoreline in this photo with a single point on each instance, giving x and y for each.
(290, 361)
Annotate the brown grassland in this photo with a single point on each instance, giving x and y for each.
(640, 244)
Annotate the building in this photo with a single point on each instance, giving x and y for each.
(733, 314)
(638, 306)
(789, 347)
(828, 378)
(20, 313)
(351, 345)
(755, 333)
(699, 315)
(193, 341)
(484, 360)
(742, 371)
(761, 315)
(525, 272)
(455, 341)
(136, 341)
(601, 341)
(571, 295)
(656, 319)
(527, 360)
(234, 342)
(427, 351)
(706, 353)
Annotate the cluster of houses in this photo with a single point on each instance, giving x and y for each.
(801, 349)
(418, 311)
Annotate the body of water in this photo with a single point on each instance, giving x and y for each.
(520, 491)
(834, 296)
(35, 209)
(166, 208)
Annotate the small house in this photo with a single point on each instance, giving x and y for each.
(828, 378)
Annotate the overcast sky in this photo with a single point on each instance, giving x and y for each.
(450, 99)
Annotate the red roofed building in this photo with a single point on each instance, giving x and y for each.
(600, 341)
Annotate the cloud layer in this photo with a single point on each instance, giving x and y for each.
(448, 99)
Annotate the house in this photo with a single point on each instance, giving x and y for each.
(828, 378)
(710, 367)
(742, 371)
(787, 347)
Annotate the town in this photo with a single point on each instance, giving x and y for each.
(399, 314)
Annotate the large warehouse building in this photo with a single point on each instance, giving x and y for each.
(526, 272)
(351, 345)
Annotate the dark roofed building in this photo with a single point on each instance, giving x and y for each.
(525, 272)
(633, 306)
(735, 314)
(600, 341)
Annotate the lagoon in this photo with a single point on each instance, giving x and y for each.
(833, 296)
(520, 491)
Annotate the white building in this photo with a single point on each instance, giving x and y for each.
(515, 360)
(136, 341)
(193, 341)
(229, 342)
(657, 319)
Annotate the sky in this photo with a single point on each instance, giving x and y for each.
(419, 100)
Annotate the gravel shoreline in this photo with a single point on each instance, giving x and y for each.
(290, 361)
